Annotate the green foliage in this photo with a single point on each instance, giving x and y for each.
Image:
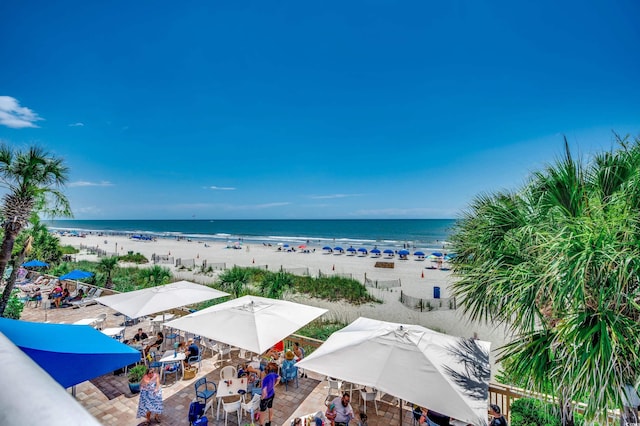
(533, 412)
(154, 276)
(557, 262)
(235, 280)
(134, 258)
(333, 288)
(135, 374)
(14, 306)
(321, 330)
(69, 250)
(275, 284)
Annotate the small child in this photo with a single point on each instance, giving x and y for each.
(363, 420)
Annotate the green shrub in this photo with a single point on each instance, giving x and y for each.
(133, 258)
(533, 412)
(14, 307)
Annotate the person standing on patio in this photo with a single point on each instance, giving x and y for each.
(268, 392)
(150, 396)
(340, 412)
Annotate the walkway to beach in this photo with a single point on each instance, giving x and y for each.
(109, 400)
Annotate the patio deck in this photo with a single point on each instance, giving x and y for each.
(109, 400)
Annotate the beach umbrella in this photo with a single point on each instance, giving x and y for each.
(351, 250)
(388, 251)
(71, 354)
(436, 254)
(327, 248)
(286, 245)
(375, 251)
(338, 248)
(249, 322)
(35, 264)
(419, 253)
(54, 406)
(302, 246)
(404, 253)
(400, 359)
(362, 250)
(151, 300)
(76, 274)
(450, 256)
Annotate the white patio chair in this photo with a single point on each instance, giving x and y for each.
(228, 373)
(231, 407)
(369, 396)
(251, 407)
(334, 388)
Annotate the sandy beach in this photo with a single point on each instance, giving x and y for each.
(416, 280)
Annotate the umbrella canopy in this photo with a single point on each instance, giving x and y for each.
(151, 300)
(419, 253)
(363, 250)
(436, 254)
(35, 264)
(375, 251)
(338, 248)
(71, 354)
(54, 406)
(404, 252)
(388, 251)
(445, 373)
(327, 248)
(76, 274)
(351, 250)
(249, 322)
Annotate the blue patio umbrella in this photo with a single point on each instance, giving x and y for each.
(327, 248)
(338, 248)
(76, 274)
(375, 251)
(436, 254)
(404, 252)
(450, 256)
(388, 251)
(363, 250)
(351, 249)
(418, 253)
(35, 264)
(71, 354)
(286, 245)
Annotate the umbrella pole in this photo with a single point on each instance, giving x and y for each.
(400, 407)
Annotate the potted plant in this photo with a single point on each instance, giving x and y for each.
(135, 375)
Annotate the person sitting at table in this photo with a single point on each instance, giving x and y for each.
(288, 363)
(155, 344)
(271, 354)
(137, 338)
(298, 351)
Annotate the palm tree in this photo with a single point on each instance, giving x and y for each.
(234, 280)
(107, 265)
(558, 262)
(154, 276)
(29, 176)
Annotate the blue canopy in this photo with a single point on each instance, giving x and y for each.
(326, 248)
(338, 248)
(350, 249)
(362, 250)
(375, 251)
(388, 251)
(71, 354)
(76, 274)
(418, 253)
(404, 252)
(436, 254)
(35, 264)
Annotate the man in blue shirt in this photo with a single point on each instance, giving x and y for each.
(268, 392)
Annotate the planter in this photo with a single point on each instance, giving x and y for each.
(134, 387)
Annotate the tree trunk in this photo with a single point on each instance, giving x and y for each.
(10, 233)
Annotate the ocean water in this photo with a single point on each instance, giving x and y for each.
(421, 233)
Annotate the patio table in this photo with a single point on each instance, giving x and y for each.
(229, 389)
(171, 357)
(87, 321)
(115, 332)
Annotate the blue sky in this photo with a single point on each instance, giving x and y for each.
(358, 109)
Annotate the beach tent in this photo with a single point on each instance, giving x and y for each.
(76, 274)
(249, 322)
(35, 264)
(147, 301)
(30, 393)
(71, 354)
(444, 373)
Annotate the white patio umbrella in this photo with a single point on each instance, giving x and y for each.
(445, 373)
(249, 322)
(152, 300)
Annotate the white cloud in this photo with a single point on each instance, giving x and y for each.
(332, 196)
(86, 183)
(14, 116)
(78, 124)
(221, 188)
